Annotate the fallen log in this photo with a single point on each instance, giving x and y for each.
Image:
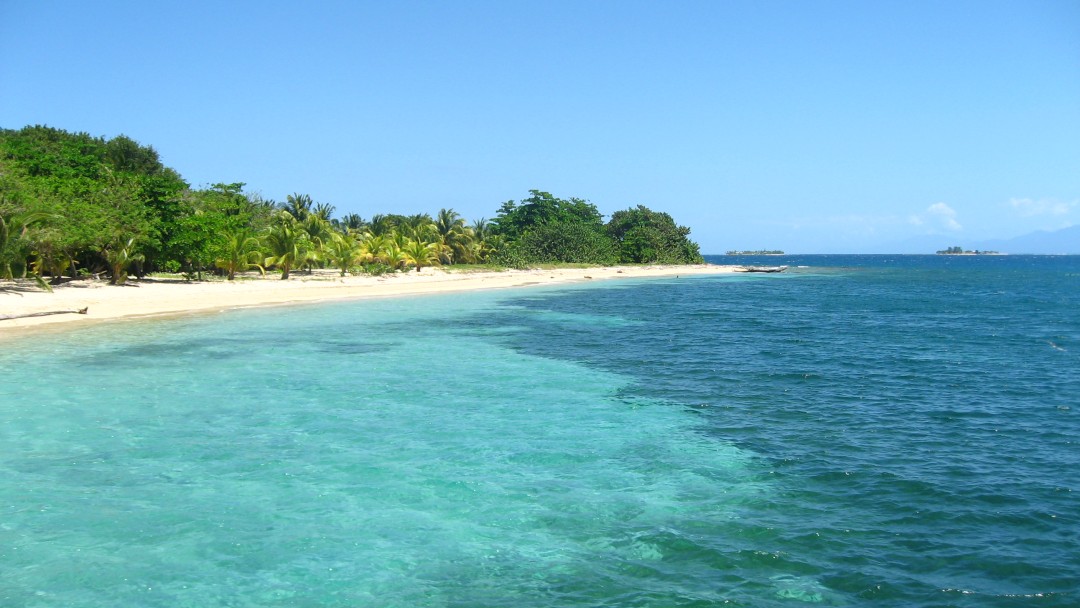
(81, 311)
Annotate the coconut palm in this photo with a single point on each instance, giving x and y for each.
(399, 237)
(344, 252)
(420, 254)
(481, 229)
(298, 205)
(15, 245)
(423, 231)
(287, 243)
(448, 221)
(242, 251)
(323, 211)
(381, 224)
(492, 244)
(318, 232)
(458, 241)
(484, 241)
(393, 256)
(120, 255)
(374, 247)
(353, 221)
(416, 220)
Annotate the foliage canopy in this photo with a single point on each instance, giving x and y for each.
(73, 204)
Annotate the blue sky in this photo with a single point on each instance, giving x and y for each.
(806, 126)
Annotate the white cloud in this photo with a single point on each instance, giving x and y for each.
(937, 215)
(1027, 207)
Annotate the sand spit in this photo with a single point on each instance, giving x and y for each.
(157, 297)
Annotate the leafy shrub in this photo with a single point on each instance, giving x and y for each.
(567, 242)
(376, 269)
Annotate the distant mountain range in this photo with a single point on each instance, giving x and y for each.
(1064, 241)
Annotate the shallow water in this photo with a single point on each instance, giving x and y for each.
(887, 431)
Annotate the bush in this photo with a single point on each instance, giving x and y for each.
(645, 236)
(567, 243)
(510, 256)
(375, 269)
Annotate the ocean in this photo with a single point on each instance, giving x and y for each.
(856, 431)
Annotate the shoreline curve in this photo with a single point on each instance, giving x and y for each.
(150, 298)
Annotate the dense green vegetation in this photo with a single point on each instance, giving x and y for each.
(961, 251)
(73, 205)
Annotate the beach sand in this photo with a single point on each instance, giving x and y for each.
(165, 297)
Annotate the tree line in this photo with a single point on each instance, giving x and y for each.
(75, 205)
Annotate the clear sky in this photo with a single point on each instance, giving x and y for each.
(809, 126)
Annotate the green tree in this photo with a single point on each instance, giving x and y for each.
(298, 205)
(571, 242)
(544, 229)
(344, 252)
(381, 224)
(287, 244)
(242, 251)
(121, 254)
(318, 233)
(200, 239)
(15, 243)
(393, 255)
(420, 254)
(457, 242)
(645, 236)
(323, 211)
(514, 219)
(354, 222)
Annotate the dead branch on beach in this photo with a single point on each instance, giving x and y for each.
(81, 311)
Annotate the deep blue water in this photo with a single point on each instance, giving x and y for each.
(861, 430)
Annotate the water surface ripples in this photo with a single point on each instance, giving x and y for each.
(860, 431)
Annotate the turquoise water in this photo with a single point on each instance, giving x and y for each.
(860, 431)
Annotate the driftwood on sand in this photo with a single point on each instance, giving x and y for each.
(761, 269)
(81, 311)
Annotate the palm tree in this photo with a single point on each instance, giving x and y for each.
(381, 224)
(393, 256)
(448, 221)
(416, 220)
(15, 245)
(492, 244)
(288, 244)
(457, 241)
(323, 211)
(423, 231)
(485, 242)
(480, 229)
(242, 251)
(353, 221)
(374, 247)
(344, 251)
(399, 237)
(298, 205)
(120, 255)
(420, 254)
(319, 232)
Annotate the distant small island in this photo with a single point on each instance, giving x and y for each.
(961, 251)
(758, 252)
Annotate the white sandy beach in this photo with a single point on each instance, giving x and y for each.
(156, 297)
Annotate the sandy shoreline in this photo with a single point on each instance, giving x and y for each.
(151, 298)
